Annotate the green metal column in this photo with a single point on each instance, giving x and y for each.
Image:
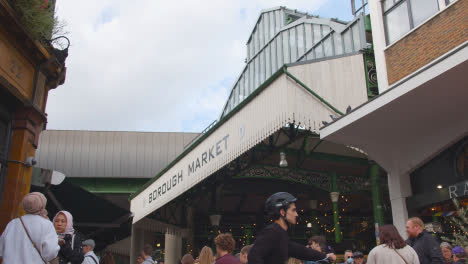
(336, 221)
(248, 234)
(374, 175)
(315, 226)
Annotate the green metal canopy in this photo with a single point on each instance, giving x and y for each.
(93, 217)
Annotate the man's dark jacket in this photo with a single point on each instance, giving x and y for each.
(427, 247)
(272, 246)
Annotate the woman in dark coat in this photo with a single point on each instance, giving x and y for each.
(70, 243)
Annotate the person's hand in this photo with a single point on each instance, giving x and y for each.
(331, 256)
(61, 242)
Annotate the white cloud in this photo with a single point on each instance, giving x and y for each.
(152, 65)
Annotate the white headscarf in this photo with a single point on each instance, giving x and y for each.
(69, 228)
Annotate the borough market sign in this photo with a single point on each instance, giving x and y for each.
(202, 160)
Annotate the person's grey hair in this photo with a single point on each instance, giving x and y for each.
(348, 251)
(446, 245)
(90, 243)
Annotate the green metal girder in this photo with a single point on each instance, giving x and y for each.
(367, 23)
(355, 187)
(239, 177)
(370, 68)
(109, 185)
(312, 92)
(374, 175)
(323, 156)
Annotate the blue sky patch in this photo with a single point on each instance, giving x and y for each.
(243, 13)
(106, 16)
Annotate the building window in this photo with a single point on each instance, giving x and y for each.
(402, 15)
(397, 22)
(422, 10)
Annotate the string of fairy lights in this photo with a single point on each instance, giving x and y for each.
(451, 228)
(319, 220)
(322, 224)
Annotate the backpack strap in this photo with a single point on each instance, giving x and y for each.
(401, 256)
(95, 261)
(30, 239)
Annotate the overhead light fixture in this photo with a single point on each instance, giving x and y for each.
(309, 225)
(215, 219)
(57, 178)
(439, 186)
(334, 196)
(283, 162)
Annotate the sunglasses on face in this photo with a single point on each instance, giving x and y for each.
(358, 257)
(349, 257)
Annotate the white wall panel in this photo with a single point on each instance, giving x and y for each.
(88, 154)
(103, 154)
(340, 81)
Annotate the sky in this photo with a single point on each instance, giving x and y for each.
(157, 66)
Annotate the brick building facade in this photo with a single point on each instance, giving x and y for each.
(443, 32)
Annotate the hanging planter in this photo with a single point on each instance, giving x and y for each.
(37, 17)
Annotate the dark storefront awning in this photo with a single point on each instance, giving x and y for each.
(458, 191)
(93, 216)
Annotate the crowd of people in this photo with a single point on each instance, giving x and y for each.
(33, 238)
(225, 245)
(421, 247)
(273, 245)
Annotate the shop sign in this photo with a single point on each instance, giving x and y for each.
(458, 190)
(200, 161)
(424, 199)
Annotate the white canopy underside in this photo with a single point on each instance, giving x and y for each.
(413, 121)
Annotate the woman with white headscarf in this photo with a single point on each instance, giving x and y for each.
(30, 238)
(70, 243)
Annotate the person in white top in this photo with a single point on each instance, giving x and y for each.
(16, 246)
(89, 256)
(393, 249)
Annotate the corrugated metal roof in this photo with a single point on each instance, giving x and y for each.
(108, 154)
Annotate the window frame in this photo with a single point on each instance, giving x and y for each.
(395, 5)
